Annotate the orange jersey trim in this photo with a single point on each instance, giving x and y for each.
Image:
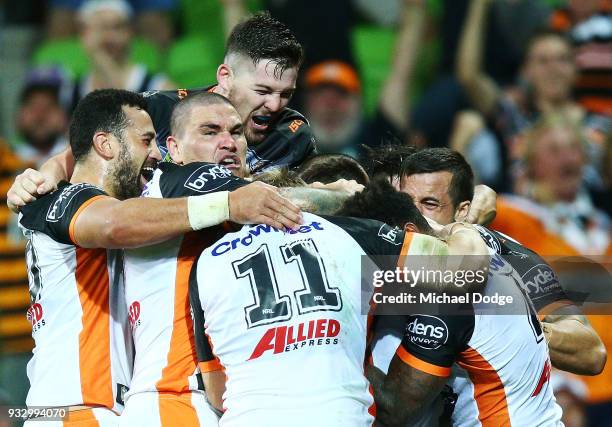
(210, 366)
(76, 215)
(176, 410)
(421, 365)
(84, 417)
(489, 390)
(92, 282)
(405, 248)
(552, 307)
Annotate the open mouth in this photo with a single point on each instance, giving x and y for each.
(147, 171)
(261, 122)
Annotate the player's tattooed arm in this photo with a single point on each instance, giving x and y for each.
(322, 199)
(573, 344)
(402, 393)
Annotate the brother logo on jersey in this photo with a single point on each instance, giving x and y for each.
(427, 332)
(282, 339)
(134, 314)
(256, 231)
(540, 279)
(35, 316)
(56, 210)
(199, 179)
(392, 235)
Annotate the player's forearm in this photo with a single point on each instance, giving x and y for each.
(314, 200)
(575, 347)
(394, 99)
(58, 167)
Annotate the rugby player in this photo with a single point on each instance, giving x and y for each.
(258, 75)
(166, 387)
(282, 315)
(440, 182)
(82, 356)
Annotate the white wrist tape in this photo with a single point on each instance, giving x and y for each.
(208, 209)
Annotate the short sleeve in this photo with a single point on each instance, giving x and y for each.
(432, 343)
(196, 179)
(57, 214)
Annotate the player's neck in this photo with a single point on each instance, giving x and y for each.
(92, 174)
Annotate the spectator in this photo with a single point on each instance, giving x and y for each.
(548, 72)
(16, 332)
(41, 120)
(571, 394)
(555, 159)
(588, 23)
(152, 19)
(106, 35)
(333, 101)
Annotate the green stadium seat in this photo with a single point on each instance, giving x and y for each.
(193, 61)
(69, 54)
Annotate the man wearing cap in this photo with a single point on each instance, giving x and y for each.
(333, 98)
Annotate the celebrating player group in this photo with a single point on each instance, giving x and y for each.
(184, 270)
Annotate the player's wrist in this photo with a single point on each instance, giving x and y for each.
(208, 210)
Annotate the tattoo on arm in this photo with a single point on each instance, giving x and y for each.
(322, 202)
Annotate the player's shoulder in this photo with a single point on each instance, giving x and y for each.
(195, 178)
(292, 122)
(53, 212)
(375, 237)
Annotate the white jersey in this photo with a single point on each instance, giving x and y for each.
(285, 317)
(498, 364)
(157, 287)
(82, 353)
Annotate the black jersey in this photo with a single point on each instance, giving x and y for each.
(288, 143)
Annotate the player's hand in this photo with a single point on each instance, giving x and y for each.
(348, 186)
(26, 188)
(260, 203)
(483, 208)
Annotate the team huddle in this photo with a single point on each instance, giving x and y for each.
(197, 263)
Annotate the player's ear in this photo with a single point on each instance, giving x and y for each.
(409, 227)
(225, 76)
(174, 149)
(462, 210)
(103, 146)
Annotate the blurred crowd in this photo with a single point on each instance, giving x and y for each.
(522, 88)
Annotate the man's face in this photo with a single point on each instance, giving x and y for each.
(259, 95)
(41, 120)
(430, 194)
(557, 163)
(109, 31)
(550, 68)
(334, 114)
(213, 133)
(137, 154)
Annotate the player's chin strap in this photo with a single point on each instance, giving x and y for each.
(208, 210)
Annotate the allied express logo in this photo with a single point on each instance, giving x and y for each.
(282, 339)
(35, 316)
(134, 314)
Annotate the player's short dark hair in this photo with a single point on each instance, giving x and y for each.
(263, 37)
(386, 160)
(328, 168)
(442, 159)
(100, 111)
(179, 112)
(380, 201)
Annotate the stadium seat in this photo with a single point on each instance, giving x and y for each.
(193, 61)
(69, 54)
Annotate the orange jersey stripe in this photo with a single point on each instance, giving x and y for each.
(82, 418)
(94, 339)
(421, 365)
(489, 390)
(182, 358)
(76, 215)
(176, 410)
